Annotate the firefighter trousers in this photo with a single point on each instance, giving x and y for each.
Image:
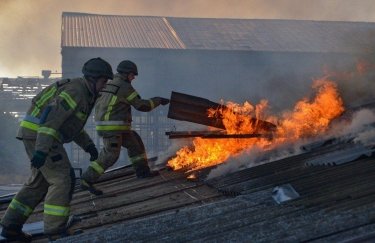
(110, 153)
(53, 182)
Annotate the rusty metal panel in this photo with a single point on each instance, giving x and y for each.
(190, 108)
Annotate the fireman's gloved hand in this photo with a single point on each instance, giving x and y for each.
(162, 101)
(38, 159)
(91, 149)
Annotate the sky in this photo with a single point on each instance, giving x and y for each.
(31, 29)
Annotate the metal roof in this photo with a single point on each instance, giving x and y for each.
(90, 30)
(335, 203)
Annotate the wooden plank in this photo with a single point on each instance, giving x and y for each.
(190, 108)
(210, 135)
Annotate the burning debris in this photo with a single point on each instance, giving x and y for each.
(202, 111)
(309, 118)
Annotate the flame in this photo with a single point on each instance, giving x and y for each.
(310, 117)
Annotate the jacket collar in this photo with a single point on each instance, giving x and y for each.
(121, 77)
(90, 90)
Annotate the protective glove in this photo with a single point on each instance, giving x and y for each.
(91, 149)
(162, 101)
(38, 159)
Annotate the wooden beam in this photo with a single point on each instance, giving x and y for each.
(190, 108)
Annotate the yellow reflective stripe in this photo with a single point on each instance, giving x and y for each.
(49, 131)
(16, 205)
(82, 116)
(112, 127)
(68, 99)
(29, 125)
(132, 96)
(135, 159)
(56, 210)
(152, 104)
(110, 107)
(97, 167)
(45, 97)
(35, 111)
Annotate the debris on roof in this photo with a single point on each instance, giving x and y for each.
(284, 193)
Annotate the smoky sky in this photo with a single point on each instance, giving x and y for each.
(31, 29)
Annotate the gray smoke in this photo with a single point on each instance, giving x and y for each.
(31, 29)
(361, 127)
(256, 156)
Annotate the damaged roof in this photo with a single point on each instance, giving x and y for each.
(334, 203)
(116, 31)
(324, 193)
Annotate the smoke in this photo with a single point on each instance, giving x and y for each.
(361, 127)
(361, 120)
(13, 159)
(254, 157)
(355, 80)
(31, 30)
(366, 137)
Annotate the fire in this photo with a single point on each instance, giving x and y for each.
(310, 117)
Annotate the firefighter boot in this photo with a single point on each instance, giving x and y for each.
(145, 172)
(14, 233)
(90, 187)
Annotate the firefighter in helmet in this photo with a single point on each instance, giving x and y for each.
(113, 123)
(57, 115)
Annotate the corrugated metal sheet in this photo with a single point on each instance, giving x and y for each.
(90, 30)
(336, 203)
(275, 35)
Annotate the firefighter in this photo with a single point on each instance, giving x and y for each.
(113, 123)
(57, 115)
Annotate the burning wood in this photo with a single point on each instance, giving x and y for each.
(310, 117)
(212, 134)
(190, 108)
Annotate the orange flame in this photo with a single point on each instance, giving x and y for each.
(309, 118)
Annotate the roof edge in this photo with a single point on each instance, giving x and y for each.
(67, 14)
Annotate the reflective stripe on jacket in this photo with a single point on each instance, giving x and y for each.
(113, 108)
(59, 112)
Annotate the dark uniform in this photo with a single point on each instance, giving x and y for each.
(113, 122)
(57, 116)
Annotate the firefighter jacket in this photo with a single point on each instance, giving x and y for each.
(113, 108)
(59, 112)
